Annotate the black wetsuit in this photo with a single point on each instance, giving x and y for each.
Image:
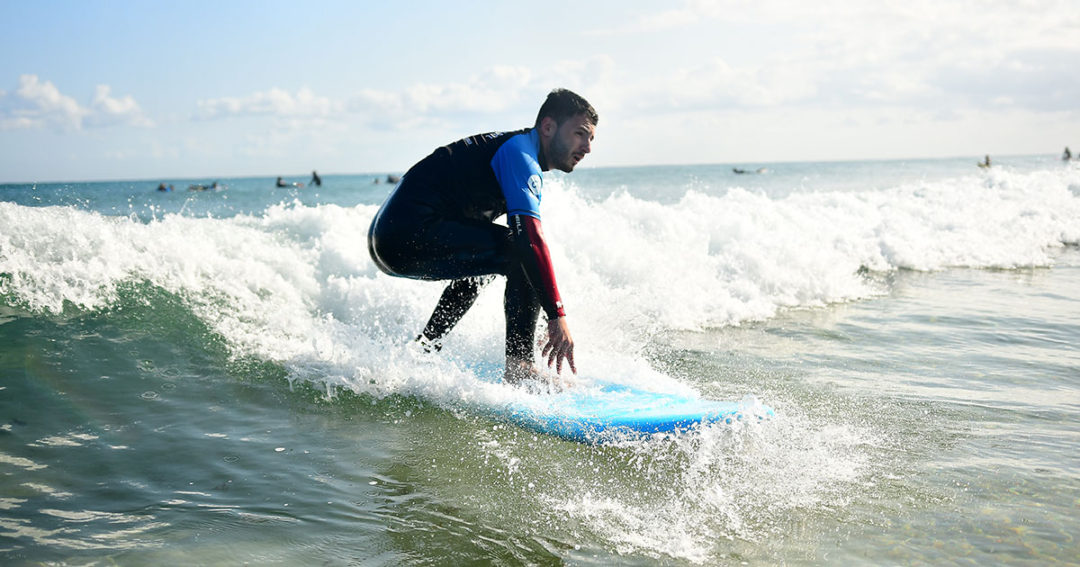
(438, 224)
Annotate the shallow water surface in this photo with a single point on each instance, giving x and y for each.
(210, 380)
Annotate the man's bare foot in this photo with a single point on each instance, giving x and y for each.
(517, 371)
(523, 371)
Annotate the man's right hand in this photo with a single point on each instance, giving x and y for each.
(560, 345)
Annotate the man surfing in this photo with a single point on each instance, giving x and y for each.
(438, 224)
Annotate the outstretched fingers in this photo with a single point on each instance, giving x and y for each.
(568, 355)
(560, 346)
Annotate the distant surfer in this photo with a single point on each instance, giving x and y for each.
(1067, 155)
(437, 224)
(985, 163)
(315, 179)
(215, 186)
(280, 183)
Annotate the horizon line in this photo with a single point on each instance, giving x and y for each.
(162, 179)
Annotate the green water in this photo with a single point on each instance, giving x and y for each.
(907, 434)
(224, 378)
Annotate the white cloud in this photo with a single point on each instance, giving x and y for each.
(107, 111)
(498, 90)
(718, 83)
(843, 53)
(495, 90)
(39, 104)
(274, 102)
(584, 75)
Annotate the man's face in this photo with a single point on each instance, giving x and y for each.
(567, 142)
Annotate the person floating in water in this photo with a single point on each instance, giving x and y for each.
(281, 183)
(438, 224)
(315, 179)
(985, 163)
(164, 187)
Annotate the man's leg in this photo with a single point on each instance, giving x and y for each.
(469, 254)
(456, 299)
(410, 238)
(522, 306)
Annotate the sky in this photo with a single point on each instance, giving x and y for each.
(99, 90)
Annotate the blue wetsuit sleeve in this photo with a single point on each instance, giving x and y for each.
(518, 171)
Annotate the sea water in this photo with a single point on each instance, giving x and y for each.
(224, 377)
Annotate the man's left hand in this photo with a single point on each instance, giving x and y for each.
(560, 345)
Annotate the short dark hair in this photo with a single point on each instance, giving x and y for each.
(562, 104)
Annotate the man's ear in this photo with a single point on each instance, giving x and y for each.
(548, 126)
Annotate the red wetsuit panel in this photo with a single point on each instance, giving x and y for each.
(536, 259)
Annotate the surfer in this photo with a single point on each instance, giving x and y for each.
(315, 179)
(1067, 155)
(437, 224)
(985, 163)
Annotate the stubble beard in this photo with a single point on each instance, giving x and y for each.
(563, 160)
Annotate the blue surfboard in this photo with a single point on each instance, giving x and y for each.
(603, 412)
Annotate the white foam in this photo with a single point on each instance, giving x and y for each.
(722, 260)
(732, 481)
(295, 284)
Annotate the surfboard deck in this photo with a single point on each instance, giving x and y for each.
(603, 412)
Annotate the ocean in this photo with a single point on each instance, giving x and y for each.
(224, 377)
